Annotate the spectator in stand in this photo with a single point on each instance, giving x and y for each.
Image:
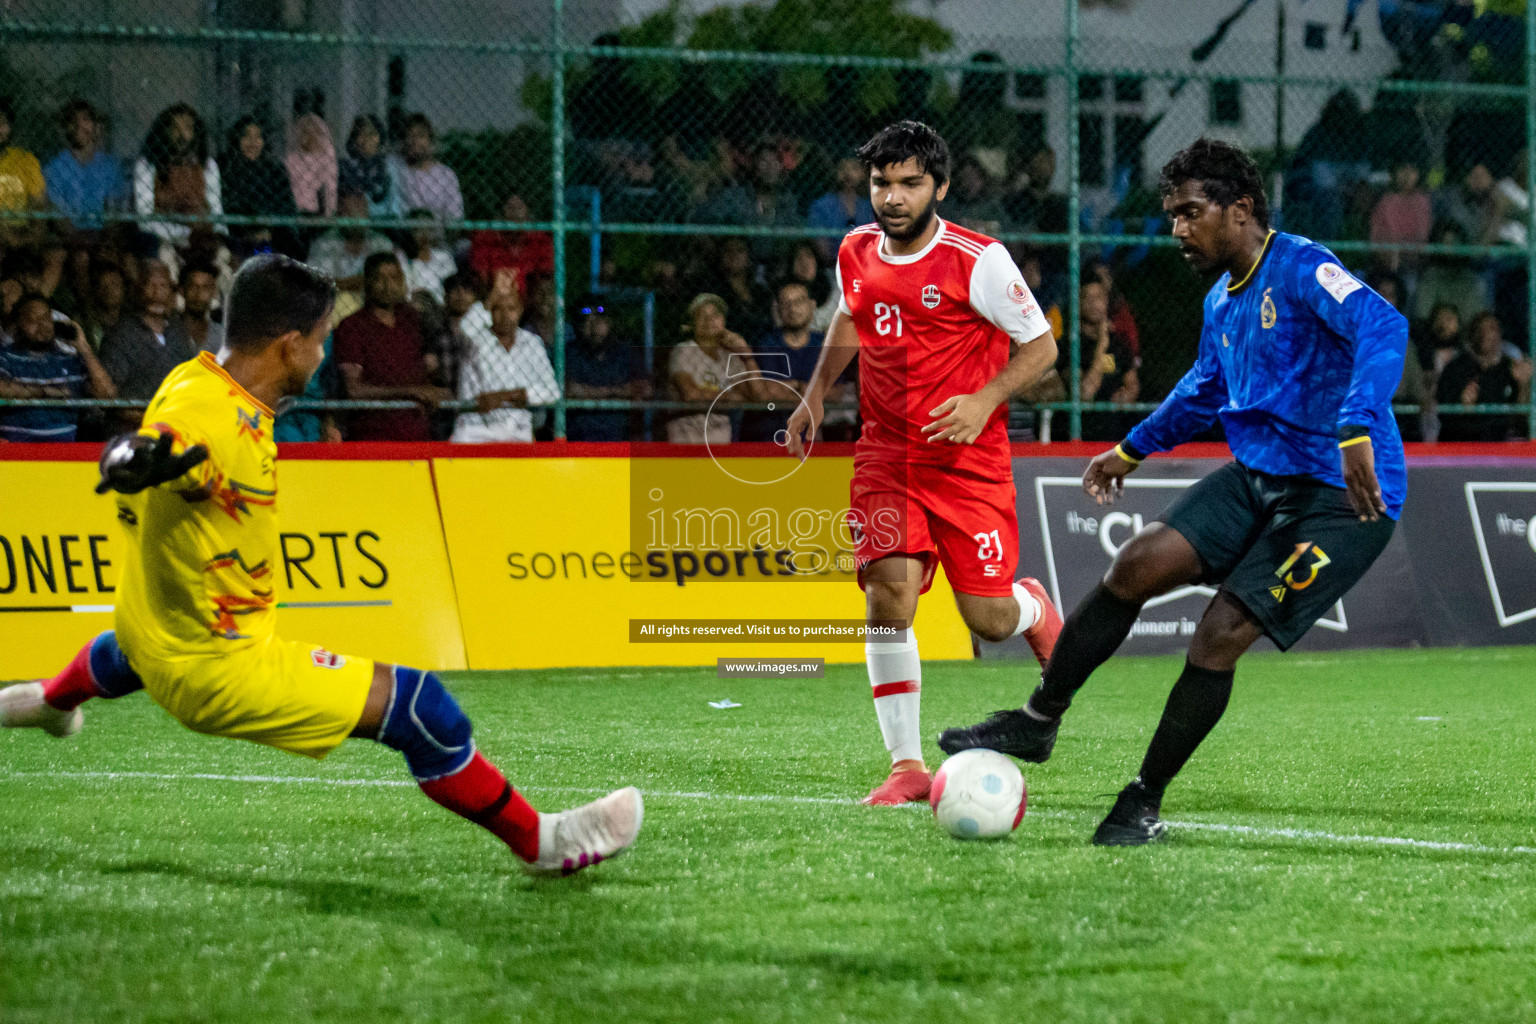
(523, 253)
(175, 174)
(256, 185)
(791, 349)
(701, 368)
(82, 181)
(199, 287)
(1034, 207)
(1108, 366)
(739, 281)
(540, 318)
(600, 366)
(366, 169)
(972, 202)
(1482, 374)
(342, 252)
(1402, 215)
(1032, 268)
(427, 263)
(763, 203)
(104, 302)
(144, 347)
(35, 362)
(21, 182)
(505, 371)
(1448, 279)
(1331, 159)
(637, 194)
(1122, 320)
(1414, 387)
(423, 180)
(805, 265)
(1511, 201)
(844, 209)
(311, 163)
(1437, 341)
(380, 354)
(1470, 205)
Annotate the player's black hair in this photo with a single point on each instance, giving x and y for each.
(372, 264)
(1225, 172)
(908, 140)
(272, 295)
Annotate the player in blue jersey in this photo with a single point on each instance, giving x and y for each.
(1298, 360)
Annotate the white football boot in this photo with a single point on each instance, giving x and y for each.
(589, 834)
(22, 707)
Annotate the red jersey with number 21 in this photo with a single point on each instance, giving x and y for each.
(932, 325)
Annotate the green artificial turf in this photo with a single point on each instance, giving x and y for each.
(163, 897)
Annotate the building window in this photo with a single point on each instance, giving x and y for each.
(1226, 102)
(1316, 36)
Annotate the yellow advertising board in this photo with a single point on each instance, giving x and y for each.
(364, 567)
(553, 558)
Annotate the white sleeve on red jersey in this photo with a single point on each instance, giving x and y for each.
(999, 294)
(842, 300)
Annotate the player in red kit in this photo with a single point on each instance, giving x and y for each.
(946, 331)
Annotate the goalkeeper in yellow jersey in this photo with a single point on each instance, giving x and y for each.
(196, 492)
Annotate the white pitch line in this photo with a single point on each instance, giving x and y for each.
(1308, 835)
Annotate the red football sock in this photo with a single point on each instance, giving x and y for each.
(74, 686)
(479, 792)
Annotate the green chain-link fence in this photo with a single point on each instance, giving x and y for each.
(635, 155)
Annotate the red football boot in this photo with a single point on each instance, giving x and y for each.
(1042, 635)
(904, 786)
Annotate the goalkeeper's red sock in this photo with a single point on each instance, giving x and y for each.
(73, 686)
(479, 792)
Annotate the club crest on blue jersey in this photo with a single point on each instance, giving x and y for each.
(1267, 314)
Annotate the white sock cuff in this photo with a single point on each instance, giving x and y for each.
(1029, 608)
(903, 646)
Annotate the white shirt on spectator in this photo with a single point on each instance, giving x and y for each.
(710, 372)
(429, 274)
(144, 200)
(490, 367)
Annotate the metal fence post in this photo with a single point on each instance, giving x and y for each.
(1530, 212)
(1074, 228)
(557, 200)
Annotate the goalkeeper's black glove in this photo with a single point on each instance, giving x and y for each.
(132, 462)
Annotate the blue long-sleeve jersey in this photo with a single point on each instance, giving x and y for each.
(1289, 355)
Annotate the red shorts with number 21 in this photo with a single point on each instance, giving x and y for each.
(967, 523)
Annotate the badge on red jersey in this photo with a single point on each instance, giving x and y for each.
(931, 296)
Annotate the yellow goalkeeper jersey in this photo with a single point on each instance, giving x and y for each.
(198, 578)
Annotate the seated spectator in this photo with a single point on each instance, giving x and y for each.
(1511, 202)
(1121, 319)
(805, 266)
(1413, 387)
(83, 181)
(505, 370)
(144, 347)
(199, 288)
(1034, 207)
(104, 301)
(599, 366)
(175, 174)
(256, 185)
(701, 368)
(342, 252)
(422, 180)
(522, 253)
(365, 168)
(21, 183)
(1440, 340)
(637, 194)
(1450, 279)
(311, 164)
(1108, 367)
(792, 348)
(1482, 374)
(380, 353)
(1031, 267)
(1327, 165)
(45, 358)
(764, 202)
(738, 280)
(540, 317)
(427, 263)
(972, 201)
(1402, 215)
(844, 209)
(1470, 206)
